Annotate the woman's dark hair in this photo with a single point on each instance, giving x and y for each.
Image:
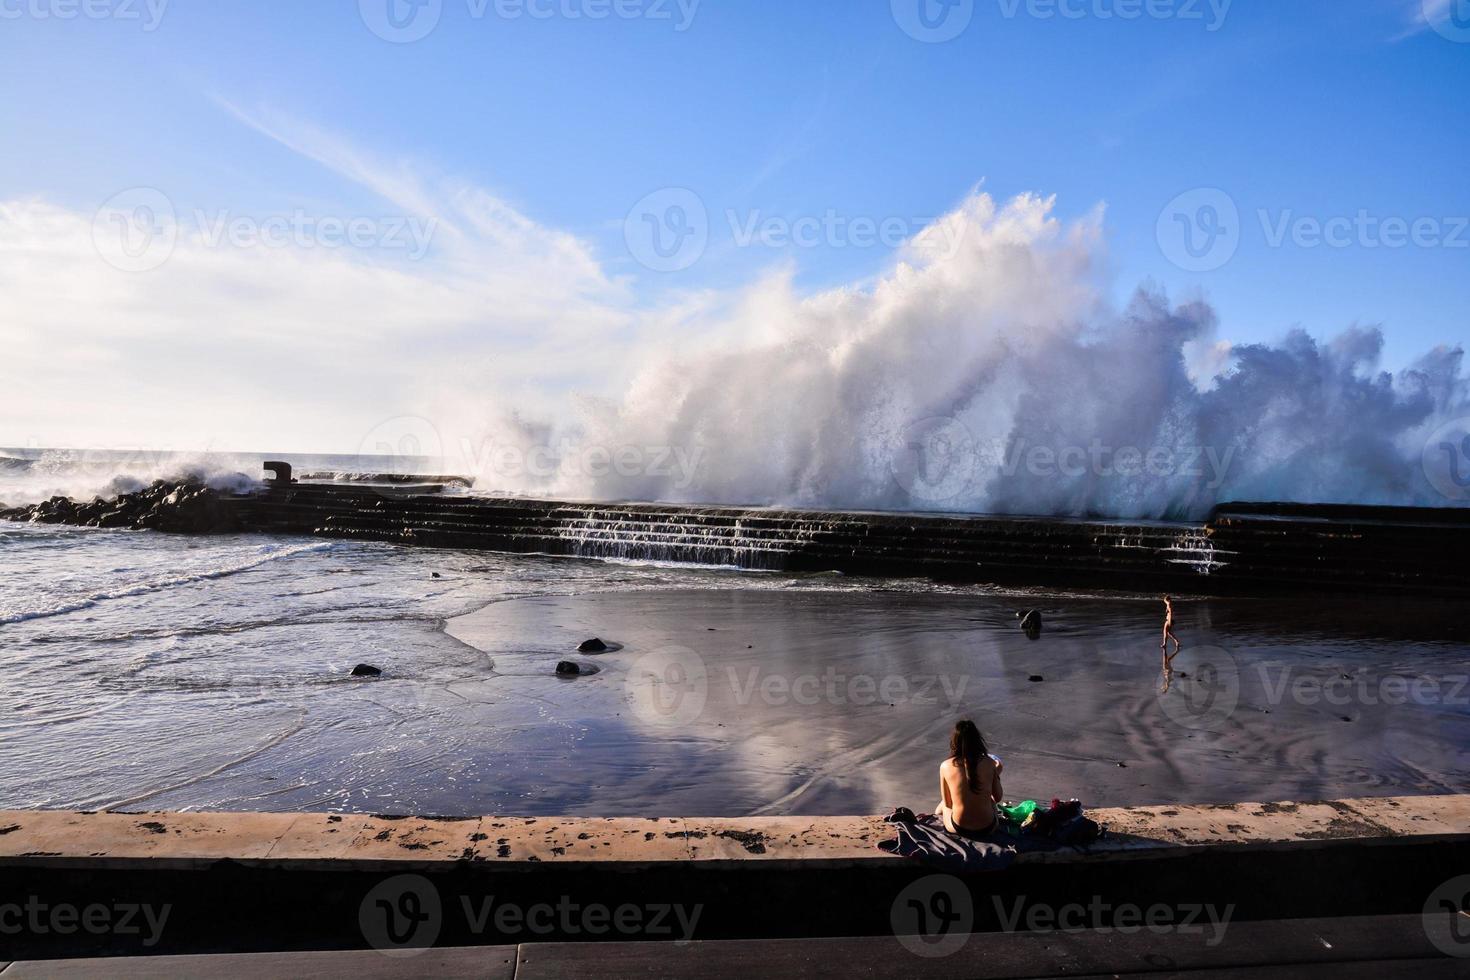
(966, 746)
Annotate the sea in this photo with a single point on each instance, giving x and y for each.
(143, 671)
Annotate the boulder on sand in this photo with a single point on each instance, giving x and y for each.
(365, 670)
(568, 668)
(1030, 620)
(594, 645)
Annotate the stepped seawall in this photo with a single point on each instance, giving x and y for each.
(1240, 549)
(1252, 548)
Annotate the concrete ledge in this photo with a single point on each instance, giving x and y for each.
(238, 883)
(120, 840)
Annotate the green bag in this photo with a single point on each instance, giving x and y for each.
(1017, 814)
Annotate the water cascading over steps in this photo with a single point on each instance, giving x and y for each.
(1243, 548)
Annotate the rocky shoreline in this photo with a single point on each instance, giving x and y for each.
(185, 506)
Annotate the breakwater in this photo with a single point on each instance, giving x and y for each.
(1242, 548)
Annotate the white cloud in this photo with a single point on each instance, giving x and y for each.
(297, 347)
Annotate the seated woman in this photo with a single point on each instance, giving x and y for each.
(969, 784)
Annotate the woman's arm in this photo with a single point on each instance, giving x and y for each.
(944, 790)
(996, 793)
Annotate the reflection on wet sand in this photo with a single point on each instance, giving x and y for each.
(828, 702)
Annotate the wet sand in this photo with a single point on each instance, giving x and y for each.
(813, 702)
(183, 673)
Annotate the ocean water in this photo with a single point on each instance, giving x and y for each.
(142, 670)
(29, 475)
(150, 671)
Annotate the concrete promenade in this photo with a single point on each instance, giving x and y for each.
(57, 839)
(655, 892)
(1366, 948)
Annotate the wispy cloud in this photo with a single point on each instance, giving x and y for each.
(281, 340)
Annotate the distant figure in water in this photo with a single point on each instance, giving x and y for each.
(1164, 644)
(1169, 629)
(969, 784)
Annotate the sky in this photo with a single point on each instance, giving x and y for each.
(267, 224)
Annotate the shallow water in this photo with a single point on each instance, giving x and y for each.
(147, 670)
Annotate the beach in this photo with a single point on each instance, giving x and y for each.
(156, 671)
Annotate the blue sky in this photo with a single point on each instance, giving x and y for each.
(1307, 110)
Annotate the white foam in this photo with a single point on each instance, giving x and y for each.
(932, 388)
(263, 556)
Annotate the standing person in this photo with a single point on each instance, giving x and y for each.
(1164, 645)
(1169, 630)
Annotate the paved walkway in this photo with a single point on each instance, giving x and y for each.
(1371, 948)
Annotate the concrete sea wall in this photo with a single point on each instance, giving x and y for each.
(281, 881)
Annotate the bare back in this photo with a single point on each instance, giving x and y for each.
(965, 807)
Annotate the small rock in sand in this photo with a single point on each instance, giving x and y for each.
(594, 645)
(1030, 621)
(568, 668)
(1036, 678)
(365, 670)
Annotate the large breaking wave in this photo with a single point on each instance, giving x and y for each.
(993, 376)
(986, 371)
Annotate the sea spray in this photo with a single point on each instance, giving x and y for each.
(993, 377)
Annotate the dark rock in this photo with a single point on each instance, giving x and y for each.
(594, 645)
(1030, 620)
(1036, 678)
(568, 668)
(365, 670)
(437, 575)
(115, 518)
(183, 506)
